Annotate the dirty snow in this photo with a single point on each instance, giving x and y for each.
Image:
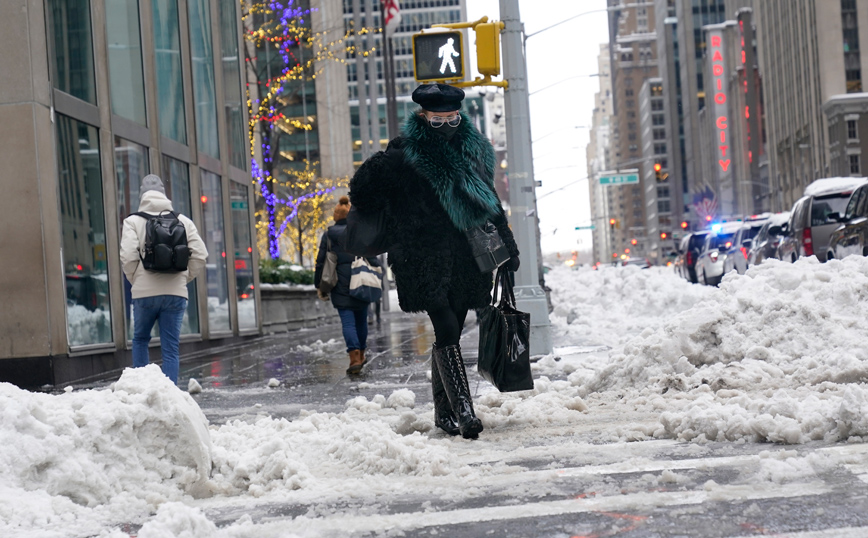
(774, 355)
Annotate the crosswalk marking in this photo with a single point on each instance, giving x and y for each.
(617, 504)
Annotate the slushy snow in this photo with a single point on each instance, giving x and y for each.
(775, 355)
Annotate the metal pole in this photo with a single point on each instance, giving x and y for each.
(373, 77)
(362, 93)
(529, 295)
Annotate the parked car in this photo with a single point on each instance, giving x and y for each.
(736, 256)
(768, 239)
(638, 262)
(709, 265)
(852, 236)
(811, 221)
(688, 252)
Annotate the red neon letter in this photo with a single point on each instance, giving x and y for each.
(715, 41)
(722, 136)
(724, 164)
(717, 69)
(718, 57)
(720, 84)
(723, 151)
(721, 122)
(720, 98)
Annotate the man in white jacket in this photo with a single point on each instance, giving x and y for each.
(158, 296)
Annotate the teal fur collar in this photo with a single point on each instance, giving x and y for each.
(460, 170)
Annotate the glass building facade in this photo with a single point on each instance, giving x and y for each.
(127, 88)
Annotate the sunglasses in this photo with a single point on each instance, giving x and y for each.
(437, 121)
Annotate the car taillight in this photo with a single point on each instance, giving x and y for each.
(744, 252)
(690, 258)
(808, 242)
(713, 256)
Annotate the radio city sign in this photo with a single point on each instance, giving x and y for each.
(719, 88)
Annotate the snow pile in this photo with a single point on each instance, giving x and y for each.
(613, 304)
(777, 355)
(139, 444)
(833, 185)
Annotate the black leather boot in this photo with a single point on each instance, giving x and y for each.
(454, 379)
(443, 417)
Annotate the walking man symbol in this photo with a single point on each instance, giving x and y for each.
(447, 52)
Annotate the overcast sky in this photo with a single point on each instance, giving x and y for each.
(565, 53)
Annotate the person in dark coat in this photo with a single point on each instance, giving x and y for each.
(353, 312)
(434, 182)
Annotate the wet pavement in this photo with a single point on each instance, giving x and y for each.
(310, 365)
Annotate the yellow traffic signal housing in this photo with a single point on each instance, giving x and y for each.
(438, 56)
(488, 48)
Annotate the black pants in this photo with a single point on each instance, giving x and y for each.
(448, 324)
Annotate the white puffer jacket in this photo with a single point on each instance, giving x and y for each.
(148, 283)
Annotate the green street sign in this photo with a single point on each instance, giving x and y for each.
(591, 227)
(619, 179)
(238, 204)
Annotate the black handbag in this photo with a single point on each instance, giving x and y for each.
(504, 340)
(487, 247)
(365, 234)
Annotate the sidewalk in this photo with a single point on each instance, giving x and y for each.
(311, 364)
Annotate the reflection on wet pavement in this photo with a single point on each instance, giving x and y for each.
(310, 365)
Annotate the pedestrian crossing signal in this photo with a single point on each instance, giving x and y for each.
(438, 56)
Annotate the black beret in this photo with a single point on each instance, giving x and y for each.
(438, 97)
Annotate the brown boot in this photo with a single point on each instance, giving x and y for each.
(355, 362)
(364, 358)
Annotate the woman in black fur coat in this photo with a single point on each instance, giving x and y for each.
(433, 182)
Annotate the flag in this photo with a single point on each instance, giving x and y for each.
(705, 203)
(391, 16)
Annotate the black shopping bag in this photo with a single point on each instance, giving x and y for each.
(504, 340)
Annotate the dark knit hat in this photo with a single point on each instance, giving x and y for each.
(342, 209)
(438, 97)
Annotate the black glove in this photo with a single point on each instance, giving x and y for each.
(512, 264)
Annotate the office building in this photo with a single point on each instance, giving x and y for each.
(94, 96)
(798, 80)
(599, 159)
(633, 53)
(658, 242)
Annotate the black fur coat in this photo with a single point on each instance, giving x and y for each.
(410, 181)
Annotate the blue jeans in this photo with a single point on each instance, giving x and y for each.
(169, 310)
(355, 326)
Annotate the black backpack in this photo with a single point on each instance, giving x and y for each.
(166, 249)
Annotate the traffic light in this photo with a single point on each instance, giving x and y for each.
(633, 242)
(684, 224)
(612, 223)
(659, 173)
(663, 235)
(488, 48)
(439, 56)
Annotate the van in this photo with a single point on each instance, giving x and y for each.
(814, 217)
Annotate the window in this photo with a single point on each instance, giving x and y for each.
(663, 206)
(657, 105)
(855, 169)
(204, 92)
(170, 86)
(176, 178)
(659, 149)
(628, 92)
(659, 134)
(852, 130)
(216, 278)
(662, 192)
(239, 201)
(82, 224)
(73, 57)
(125, 60)
(232, 95)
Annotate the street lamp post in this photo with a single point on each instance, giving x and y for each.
(529, 294)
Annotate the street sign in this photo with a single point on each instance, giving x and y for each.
(591, 227)
(238, 204)
(619, 178)
(438, 56)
